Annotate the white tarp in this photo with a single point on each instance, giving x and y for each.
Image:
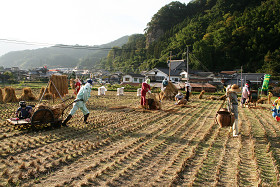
(120, 91)
(101, 90)
(139, 91)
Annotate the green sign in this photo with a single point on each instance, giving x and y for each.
(265, 82)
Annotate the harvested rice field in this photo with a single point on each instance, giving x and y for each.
(123, 145)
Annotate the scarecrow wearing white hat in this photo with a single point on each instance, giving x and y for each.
(245, 94)
(80, 102)
(233, 103)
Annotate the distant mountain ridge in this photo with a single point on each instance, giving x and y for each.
(60, 56)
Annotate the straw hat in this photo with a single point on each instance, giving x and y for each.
(234, 88)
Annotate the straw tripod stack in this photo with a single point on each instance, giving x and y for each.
(169, 92)
(1, 96)
(27, 95)
(61, 84)
(10, 95)
(201, 94)
(47, 94)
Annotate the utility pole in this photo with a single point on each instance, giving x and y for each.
(170, 65)
(241, 79)
(187, 63)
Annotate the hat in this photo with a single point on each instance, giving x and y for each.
(89, 81)
(234, 88)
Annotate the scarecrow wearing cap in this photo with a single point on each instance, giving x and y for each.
(80, 102)
(233, 103)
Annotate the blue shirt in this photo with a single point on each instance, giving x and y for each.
(24, 112)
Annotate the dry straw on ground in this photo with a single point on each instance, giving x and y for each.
(27, 95)
(9, 95)
(61, 84)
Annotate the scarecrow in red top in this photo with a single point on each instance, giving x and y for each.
(145, 88)
(77, 86)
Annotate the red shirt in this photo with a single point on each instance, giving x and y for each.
(145, 88)
(77, 87)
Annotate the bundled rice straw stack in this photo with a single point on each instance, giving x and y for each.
(27, 95)
(47, 94)
(169, 92)
(61, 83)
(10, 95)
(201, 94)
(261, 100)
(56, 109)
(156, 104)
(1, 96)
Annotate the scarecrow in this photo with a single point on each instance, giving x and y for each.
(276, 109)
(233, 105)
(80, 102)
(78, 85)
(145, 88)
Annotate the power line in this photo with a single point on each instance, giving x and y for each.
(67, 46)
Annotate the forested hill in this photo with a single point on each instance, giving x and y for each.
(84, 57)
(221, 35)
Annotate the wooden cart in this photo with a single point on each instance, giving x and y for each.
(41, 118)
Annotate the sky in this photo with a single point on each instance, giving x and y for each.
(71, 22)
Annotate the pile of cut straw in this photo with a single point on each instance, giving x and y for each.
(169, 92)
(9, 95)
(27, 95)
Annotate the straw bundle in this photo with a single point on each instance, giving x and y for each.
(61, 84)
(1, 96)
(10, 95)
(153, 102)
(212, 98)
(169, 92)
(223, 97)
(261, 100)
(182, 102)
(47, 94)
(269, 98)
(72, 83)
(201, 94)
(56, 109)
(27, 95)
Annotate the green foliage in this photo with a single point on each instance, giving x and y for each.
(222, 35)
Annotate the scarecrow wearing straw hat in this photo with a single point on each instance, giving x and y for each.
(233, 104)
(145, 88)
(80, 102)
